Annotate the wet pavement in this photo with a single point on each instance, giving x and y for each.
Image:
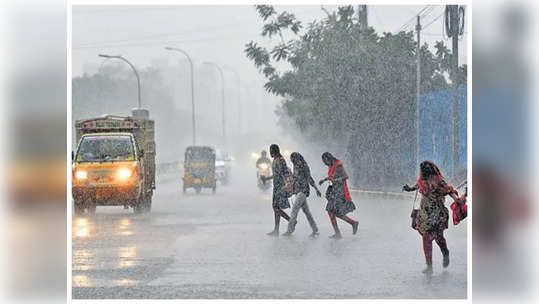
(215, 246)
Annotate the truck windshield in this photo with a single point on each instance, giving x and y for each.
(105, 148)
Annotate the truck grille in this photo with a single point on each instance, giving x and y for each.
(100, 176)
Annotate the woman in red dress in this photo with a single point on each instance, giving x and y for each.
(338, 196)
(431, 219)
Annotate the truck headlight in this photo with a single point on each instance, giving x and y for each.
(80, 174)
(124, 173)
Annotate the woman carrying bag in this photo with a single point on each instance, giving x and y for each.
(338, 196)
(431, 217)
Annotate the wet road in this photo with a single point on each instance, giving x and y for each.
(215, 246)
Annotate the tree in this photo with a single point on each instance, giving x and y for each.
(349, 89)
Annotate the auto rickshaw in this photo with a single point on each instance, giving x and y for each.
(199, 168)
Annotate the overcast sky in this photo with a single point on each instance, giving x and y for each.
(209, 33)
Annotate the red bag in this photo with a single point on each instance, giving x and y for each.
(460, 210)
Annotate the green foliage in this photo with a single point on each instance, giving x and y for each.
(265, 11)
(351, 88)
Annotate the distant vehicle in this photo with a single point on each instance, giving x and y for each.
(222, 167)
(114, 164)
(199, 168)
(263, 170)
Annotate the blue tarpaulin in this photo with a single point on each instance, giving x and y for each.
(436, 129)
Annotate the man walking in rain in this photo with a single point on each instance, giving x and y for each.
(280, 196)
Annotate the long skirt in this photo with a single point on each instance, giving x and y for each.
(340, 206)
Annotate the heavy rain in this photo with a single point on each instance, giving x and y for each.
(173, 107)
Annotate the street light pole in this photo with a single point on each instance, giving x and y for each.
(222, 98)
(192, 89)
(239, 97)
(134, 70)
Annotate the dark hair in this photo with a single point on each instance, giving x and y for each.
(274, 150)
(428, 170)
(298, 160)
(328, 158)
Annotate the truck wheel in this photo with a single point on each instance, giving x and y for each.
(78, 207)
(139, 207)
(148, 203)
(91, 208)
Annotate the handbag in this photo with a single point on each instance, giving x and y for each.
(330, 193)
(460, 211)
(288, 185)
(459, 208)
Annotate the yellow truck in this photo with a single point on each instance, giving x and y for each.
(114, 163)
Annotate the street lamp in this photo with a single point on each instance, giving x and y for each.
(132, 67)
(192, 89)
(239, 96)
(222, 96)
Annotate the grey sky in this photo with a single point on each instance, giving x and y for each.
(208, 33)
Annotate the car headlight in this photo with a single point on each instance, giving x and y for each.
(80, 174)
(124, 173)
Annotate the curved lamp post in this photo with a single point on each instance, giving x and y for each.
(239, 96)
(222, 96)
(132, 67)
(192, 88)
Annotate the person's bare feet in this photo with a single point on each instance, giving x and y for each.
(446, 260)
(355, 227)
(428, 269)
(273, 233)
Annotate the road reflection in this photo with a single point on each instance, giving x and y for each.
(124, 227)
(122, 256)
(80, 227)
(81, 281)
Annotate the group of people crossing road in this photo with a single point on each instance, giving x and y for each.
(430, 218)
(298, 182)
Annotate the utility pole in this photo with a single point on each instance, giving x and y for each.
(418, 87)
(454, 29)
(362, 16)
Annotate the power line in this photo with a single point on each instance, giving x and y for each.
(433, 20)
(427, 12)
(153, 43)
(164, 35)
(407, 23)
(161, 35)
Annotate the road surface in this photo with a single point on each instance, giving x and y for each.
(215, 246)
